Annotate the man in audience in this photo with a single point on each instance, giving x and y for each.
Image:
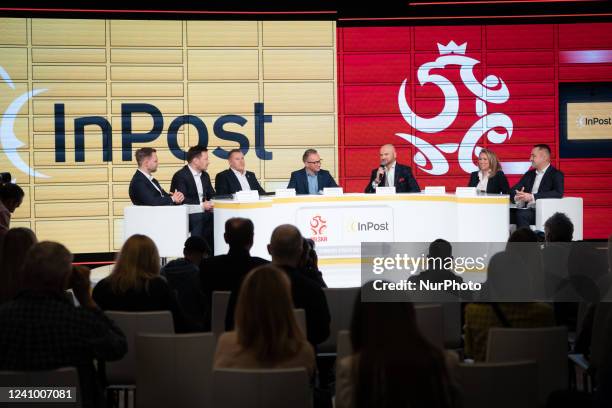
(43, 330)
(543, 181)
(11, 197)
(236, 178)
(183, 276)
(194, 182)
(392, 174)
(225, 272)
(144, 189)
(311, 179)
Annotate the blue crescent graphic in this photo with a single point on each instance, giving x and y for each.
(8, 139)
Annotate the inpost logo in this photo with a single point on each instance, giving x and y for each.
(584, 121)
(358, 226)
(10, 142)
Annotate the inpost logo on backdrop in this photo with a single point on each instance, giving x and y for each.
(10, 142)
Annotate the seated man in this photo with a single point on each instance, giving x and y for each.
(144, 189)
(392, 174)
(194, 182)
(236, 178)
(43, 330)
(311, 179)
(543, 181)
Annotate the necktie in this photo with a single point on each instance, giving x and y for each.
(158, 186)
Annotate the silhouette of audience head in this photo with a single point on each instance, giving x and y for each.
(395, 362)
(440, 249)
(137, 262)
(558, 228)
(48, 267)
(239, 233)
(11, 196)
(309, 259)
(523, 234)
(13, 249)
(196, 249)
(286, 245)
(265, 321)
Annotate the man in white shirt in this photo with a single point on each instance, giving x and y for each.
(392, 174)
(194, 182)
(144, 189)
(542, 181)
(236, 178)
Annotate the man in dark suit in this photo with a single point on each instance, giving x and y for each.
(236, 178)
(194, 182)
(286, 248)
(311, 179)
(543, 181)
(392, 174)
(144, 189)
(226, 272)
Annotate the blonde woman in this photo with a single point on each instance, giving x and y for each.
(489, 178)
(135, 284)
(267, 334)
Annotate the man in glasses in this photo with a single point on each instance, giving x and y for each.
(311, 179)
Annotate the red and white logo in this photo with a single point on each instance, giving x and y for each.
(318, 226)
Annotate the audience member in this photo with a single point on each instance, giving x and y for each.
(309, 263)
(183, 276)
(13, 249)
(42, 330)
(135, 284)
(392, 364)
(286, 249)
(11, 197)
(267, 334)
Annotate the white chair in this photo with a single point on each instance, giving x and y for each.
(345, 348)
(220, 300)
(61, 377)
(430, 319)
(174, 370)
(340, 302)
(547, 346)
(499, 385)
(167, 226)
(123, 372)
(570, 206)
(262, 388)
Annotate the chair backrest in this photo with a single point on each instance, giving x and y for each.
(169, 231)
(600, 339)
(547, 346)
(300, 317)
(499, 385)
(61, 377)
(133, 323)
(345, 348)
(262, 388)
(341, 302)
(570, 206)
(174, 370)
(430, 319)
(220, 300)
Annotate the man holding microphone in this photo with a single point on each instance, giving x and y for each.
(392, 174)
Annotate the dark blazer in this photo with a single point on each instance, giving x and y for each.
(307, 295)
(227, 183)
(183, 181)
(142, 191)
(404, 182)
(225, 272)
(299, 181)
(498, 184)
(551, 185)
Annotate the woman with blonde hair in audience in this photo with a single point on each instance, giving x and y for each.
(267, 334)
(135, 284)
(489, 178)
(13, 248)
(393, 365)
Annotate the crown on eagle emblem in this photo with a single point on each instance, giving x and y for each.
(452, 48)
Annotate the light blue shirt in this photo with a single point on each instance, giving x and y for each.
(313, 184)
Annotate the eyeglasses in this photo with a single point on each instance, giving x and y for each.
(315, 162)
